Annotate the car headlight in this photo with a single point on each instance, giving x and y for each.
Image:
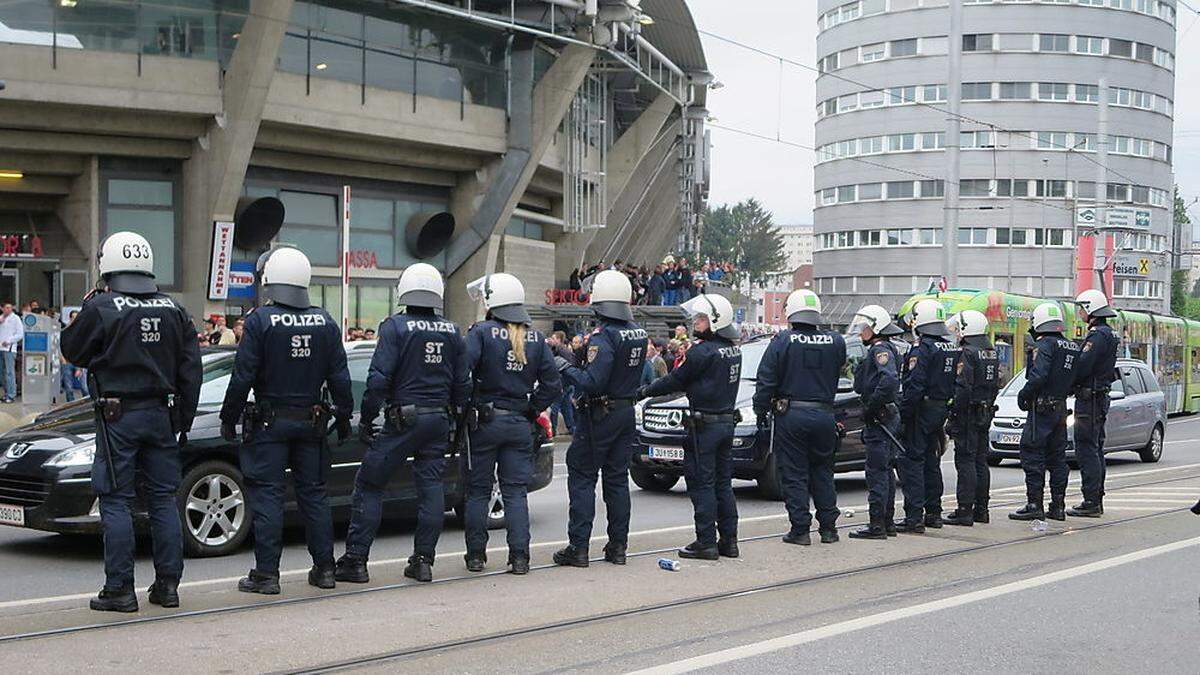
(637, 413)
(749, 419)
(79, 455)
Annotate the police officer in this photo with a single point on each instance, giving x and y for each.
(419, 377)
(975, 389)
(709, 375)
(289, 350)
(877, 381)
(514, 379)
(1094, 374)
(927, 384)
(1048, 382)
(605, 384)
(797, 383)
(140, 347)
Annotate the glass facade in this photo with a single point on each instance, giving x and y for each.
(202, 29)
(370, 303)
(147, 207)
(397, 48)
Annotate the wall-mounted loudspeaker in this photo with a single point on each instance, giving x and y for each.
(256, 221)
(428, 233)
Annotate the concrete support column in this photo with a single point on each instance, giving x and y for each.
(484, 201)
(213, 176)
(79, 212)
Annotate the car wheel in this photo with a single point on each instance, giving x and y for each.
(768, 480)
(994, 460)
(213, 508)
(1153, 450)
(496, 518)
(651, 481)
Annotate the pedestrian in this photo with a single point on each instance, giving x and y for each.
(605, 382)
(223, 334)
(1048, 381)
(138, 344)
(655, 287)
(290, 350)
(239, 329)
(976, 385)
(1095, 372)
(369, 334)
(657, 362)
(648, 374)
(514, 379)
(797, 383)
(671, 283)
(418, 374)
(877, 381)
(710, 377)
(926, 386)
(573, 281)
(686, 286)
(563, 406)
(12, 332)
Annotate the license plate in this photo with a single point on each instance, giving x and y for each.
(666, 453)
(1010, 439)
(12, 515)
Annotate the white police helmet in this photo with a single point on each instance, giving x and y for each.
(126, 262)
(929, 318)
(971, 323)
(803, 306)
(503, 295)
(285, 273)
(420, 285)
(718, 310)
(1048, 318)
(1095, 304)
(611, 294)
(877, 319)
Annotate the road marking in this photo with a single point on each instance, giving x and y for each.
(843, 627)
(200, 583)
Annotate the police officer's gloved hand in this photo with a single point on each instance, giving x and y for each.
(229, 431)
(642, 393)
(343, 429)
(366, 432)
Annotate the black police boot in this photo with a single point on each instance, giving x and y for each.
(257, 582)
(829, 536)
(798, 538)
(420, 567)
(572, 556)
(518, 562)
(351, 568)
(1030, 511)
(696, 551)
(115, 600)
(614, 553)
(728, 548)
(322, 576)
(961, 516)
(1057, 510)
(982, 515)
(475, 561)
(1087, 509)
(933, 520)
(164, 592)
(910, 528)
(875, 530)
(890, 526)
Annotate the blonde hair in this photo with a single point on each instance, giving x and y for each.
(516, 337)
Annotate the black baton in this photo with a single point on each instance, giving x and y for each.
(102, 428)
(890, 435)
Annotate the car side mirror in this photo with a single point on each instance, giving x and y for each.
(1116, 395)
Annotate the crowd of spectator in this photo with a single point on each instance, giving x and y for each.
(671, 282)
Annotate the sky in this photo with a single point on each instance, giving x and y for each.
(753, 100)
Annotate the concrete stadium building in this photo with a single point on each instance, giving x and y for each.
(1031, 74)
(479, 136)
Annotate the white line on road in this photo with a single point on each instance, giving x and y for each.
(841, 628)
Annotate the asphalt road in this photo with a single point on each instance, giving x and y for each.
(40, 565)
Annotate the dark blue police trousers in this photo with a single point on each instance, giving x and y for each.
(143, 448)
(1044, 447)
(1091, 414)
(881, 477)
(708, 470)
(287, 444)
(501, 449)
(426, 441)
(805, 443)
(921, 465)
(602, 445)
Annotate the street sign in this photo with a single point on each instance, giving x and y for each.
(222, 253)
(241, 280)
(1118, 217)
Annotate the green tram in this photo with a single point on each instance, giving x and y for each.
(1168, 344)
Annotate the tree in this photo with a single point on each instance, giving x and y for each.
(1179, 294)
(746, 235)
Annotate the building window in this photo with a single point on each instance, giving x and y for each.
(1005, 187)
(933, 188)
(972, 236)
(976, 139)
(1011, 237)
(870, 99)
(899, 237)
(931, 236)
(904, 47)
(1089, 45)
(1087, 93)
(1120, 47)
(1052, 91)
(1145, 53)
(974, 187)
(902, 142)
(1051, 140)
(976, 91)
(146, 207)
(900, 189)
(874, 52)
(933, 140)
(1016, 91)
(981, 42)
(870, 191)
(1051, 188)
(933, 93)
(1054, 43)
(1050, 237)
(900, 95)
(845, 194)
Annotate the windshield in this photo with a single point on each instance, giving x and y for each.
(217, 370)
(1014, 385)
(752, 356)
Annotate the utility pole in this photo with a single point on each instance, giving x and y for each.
(1101, 227)
(953, 139)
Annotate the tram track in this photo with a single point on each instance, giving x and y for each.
(618, 614)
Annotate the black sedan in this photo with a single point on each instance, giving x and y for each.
(658, 454)
(45, 470)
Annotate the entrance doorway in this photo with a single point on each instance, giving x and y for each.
(10, 285)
